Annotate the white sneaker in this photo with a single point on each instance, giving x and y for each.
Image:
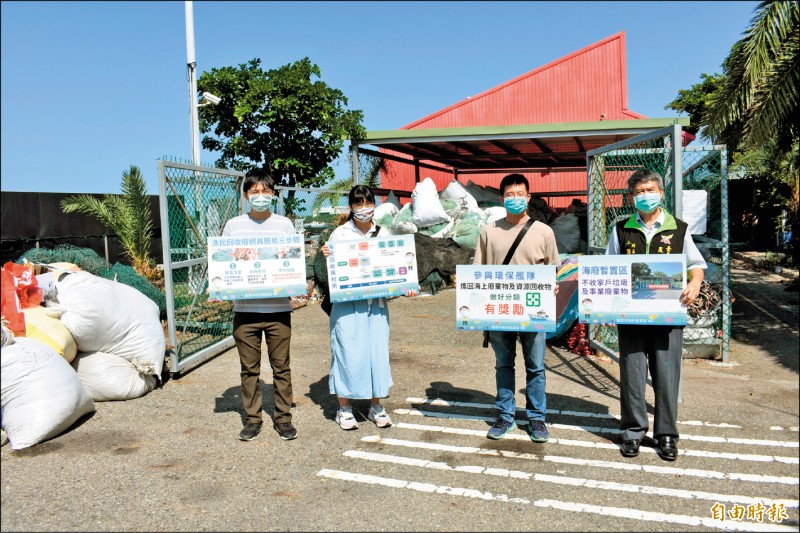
(379, 415)
(345, 418)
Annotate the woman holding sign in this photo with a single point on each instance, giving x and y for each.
(360, 329)
(652, 230)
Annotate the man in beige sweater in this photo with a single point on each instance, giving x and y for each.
(538, 247)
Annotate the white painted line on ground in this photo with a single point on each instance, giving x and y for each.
(665, 470)
(597, 429)
(606, 445)
(637, 514)
(414, 485)
(569, 481)
(633, 514)
(587, 414)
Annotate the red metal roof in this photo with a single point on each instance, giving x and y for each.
(587, 85)
(581, 86)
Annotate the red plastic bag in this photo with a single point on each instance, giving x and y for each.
(12, 309)
(27, 286)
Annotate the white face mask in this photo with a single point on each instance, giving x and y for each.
(261, 202)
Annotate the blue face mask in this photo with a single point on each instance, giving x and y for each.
(515, 206)
(260, 202)
(647, 202)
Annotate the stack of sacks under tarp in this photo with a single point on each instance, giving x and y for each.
(117, 331)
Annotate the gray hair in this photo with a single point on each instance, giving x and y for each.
(644, 175)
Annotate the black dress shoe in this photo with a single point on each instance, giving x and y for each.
(630, 448)
(668, 448)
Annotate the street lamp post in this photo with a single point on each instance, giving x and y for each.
(191, 70)
(194, 122)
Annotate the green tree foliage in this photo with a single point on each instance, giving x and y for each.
(777, 182)
(128, 215)
(762, 80)
(370, 168)
(694, 101)
(752, 108)
(280, 119)
(640, 270)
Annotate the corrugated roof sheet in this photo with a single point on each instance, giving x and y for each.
(586, 85)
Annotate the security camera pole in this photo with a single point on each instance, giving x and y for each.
(191, 70)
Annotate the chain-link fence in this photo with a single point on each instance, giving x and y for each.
(196, 202)
(701, 188)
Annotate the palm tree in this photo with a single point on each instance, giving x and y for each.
(760, 92)
(373, 166)
(128, 215)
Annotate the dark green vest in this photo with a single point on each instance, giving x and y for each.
(667, 240)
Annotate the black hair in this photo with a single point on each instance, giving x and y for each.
(359, 194)
(514, 179)
(255, 176)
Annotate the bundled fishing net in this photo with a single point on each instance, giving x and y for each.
(88, 260)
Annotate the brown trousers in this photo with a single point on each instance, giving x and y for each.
(277, 330)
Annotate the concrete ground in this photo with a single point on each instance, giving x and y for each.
(170, 461)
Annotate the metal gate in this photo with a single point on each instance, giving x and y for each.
(683, 169)
(195, 202)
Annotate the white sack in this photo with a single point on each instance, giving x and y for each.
(385, 208)
(568, 233)
(494, 213)
(402, 224)
(426, 207)
(456, 192)
(108, 377)
(40, 394)
(106, 316)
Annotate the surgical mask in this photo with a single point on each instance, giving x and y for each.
(364, 214)
(647, 202)
(516, 205)
(261, 202)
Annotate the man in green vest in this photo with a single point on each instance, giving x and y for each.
(652, 230)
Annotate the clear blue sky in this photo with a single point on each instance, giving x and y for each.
(90, 88)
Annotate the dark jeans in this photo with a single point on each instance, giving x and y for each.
(277, 330)
(533, 345)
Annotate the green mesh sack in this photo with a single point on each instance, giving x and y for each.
(430, 231)
(453, 209)
(385, 221)
(468, 228)
(403, 223)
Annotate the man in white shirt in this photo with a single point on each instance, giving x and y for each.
(270, 317)
(652, 230)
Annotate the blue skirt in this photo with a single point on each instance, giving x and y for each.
(360, 349)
